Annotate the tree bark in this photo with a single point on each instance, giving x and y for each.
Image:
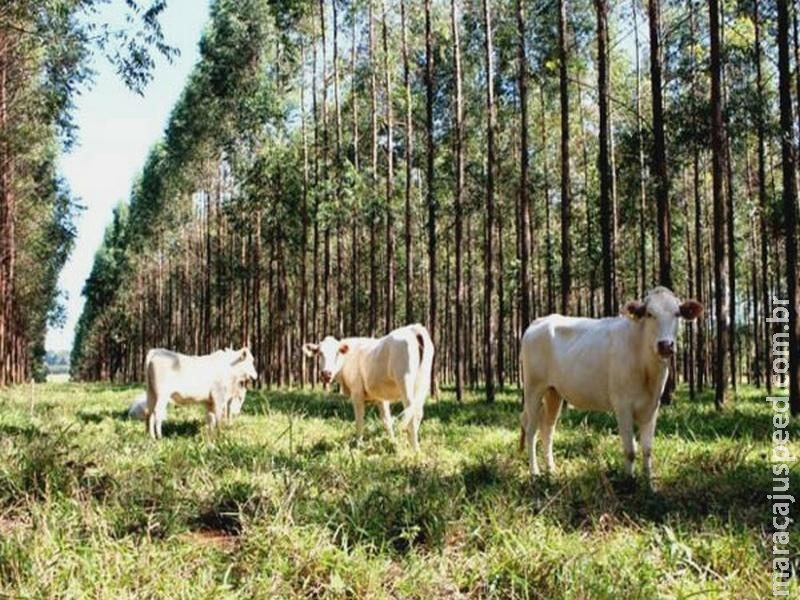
(566, 243)
(789, 167)
(659, 160)
(523, 229)
(488, 250)
(430, 174)
(458, 207)
(603, 161)
(721, 297)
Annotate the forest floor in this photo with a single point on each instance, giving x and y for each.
(283, 504)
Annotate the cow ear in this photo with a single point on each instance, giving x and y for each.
(635, 309)
(343, 348)
(691, 309)
(310, 349)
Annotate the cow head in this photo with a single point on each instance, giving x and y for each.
(333, 354)
(243, 362)
(659, 314)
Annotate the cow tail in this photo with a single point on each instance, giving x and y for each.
(422, 385)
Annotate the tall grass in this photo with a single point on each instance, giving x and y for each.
(283, 504)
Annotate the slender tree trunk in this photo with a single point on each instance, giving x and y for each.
(338, 173)
(566, 243)
(659, 147)
(789, 166)
(640, 145)
(603, 162)
(488, 251)
(765, 361)
(523, 230)
(7, 233)
(354, 243)
(373, 209)
(721, 297)
(303, 308)
(548, 228)
(389, 299)
(409, 302)
(431, 195)
(458, 207)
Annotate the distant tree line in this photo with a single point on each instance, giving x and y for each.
(45, 49)
(342, 167)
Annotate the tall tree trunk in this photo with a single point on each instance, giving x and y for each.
(488, 252)
(642, 288)
(389, 299)
(338, 173)
(548, 228)
(659, 147)
(721, 297)
(566, 243)
(373, 209)
(354, 245)
(765, 360)
(7, 233)
(409, 291)
(303, 308)
(431, 195)
(523, 229)
(603, 161)
(789, 164)
(458, 207)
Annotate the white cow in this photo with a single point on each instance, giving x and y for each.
(614, 364)
(394, 367)
(138, 409)
(233, 407)
(212, 379)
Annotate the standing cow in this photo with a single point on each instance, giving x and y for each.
(617, 364)
(210, 379)
(394, 367)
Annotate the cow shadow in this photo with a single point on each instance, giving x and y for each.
(304, 403)
(100, 416)
(28, 431)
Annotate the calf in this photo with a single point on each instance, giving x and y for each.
(235, 395)
(395, 367)
(211, 379)
(617, 364)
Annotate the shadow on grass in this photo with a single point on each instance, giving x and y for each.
(29, 431)
(100, 416)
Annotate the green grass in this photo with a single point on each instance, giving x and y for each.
(283, 504)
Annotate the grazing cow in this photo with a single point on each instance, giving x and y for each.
(212, 379)
(231, 409)
(614, 364)
(138, 409)
(394, 367)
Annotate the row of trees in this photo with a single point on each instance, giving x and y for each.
(345, 167)
(44, 52)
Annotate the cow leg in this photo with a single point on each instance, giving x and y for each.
(386, 416)
(532, 408)
(625, 424)
(647, 431)
(548, 417)
(413, 429)
(156, 417)
(358, 409)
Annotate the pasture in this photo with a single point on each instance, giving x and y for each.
(283, 503)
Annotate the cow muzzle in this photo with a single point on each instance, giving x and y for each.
(325, 376)
(665, 348)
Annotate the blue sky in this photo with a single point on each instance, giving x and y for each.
(117, 128)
